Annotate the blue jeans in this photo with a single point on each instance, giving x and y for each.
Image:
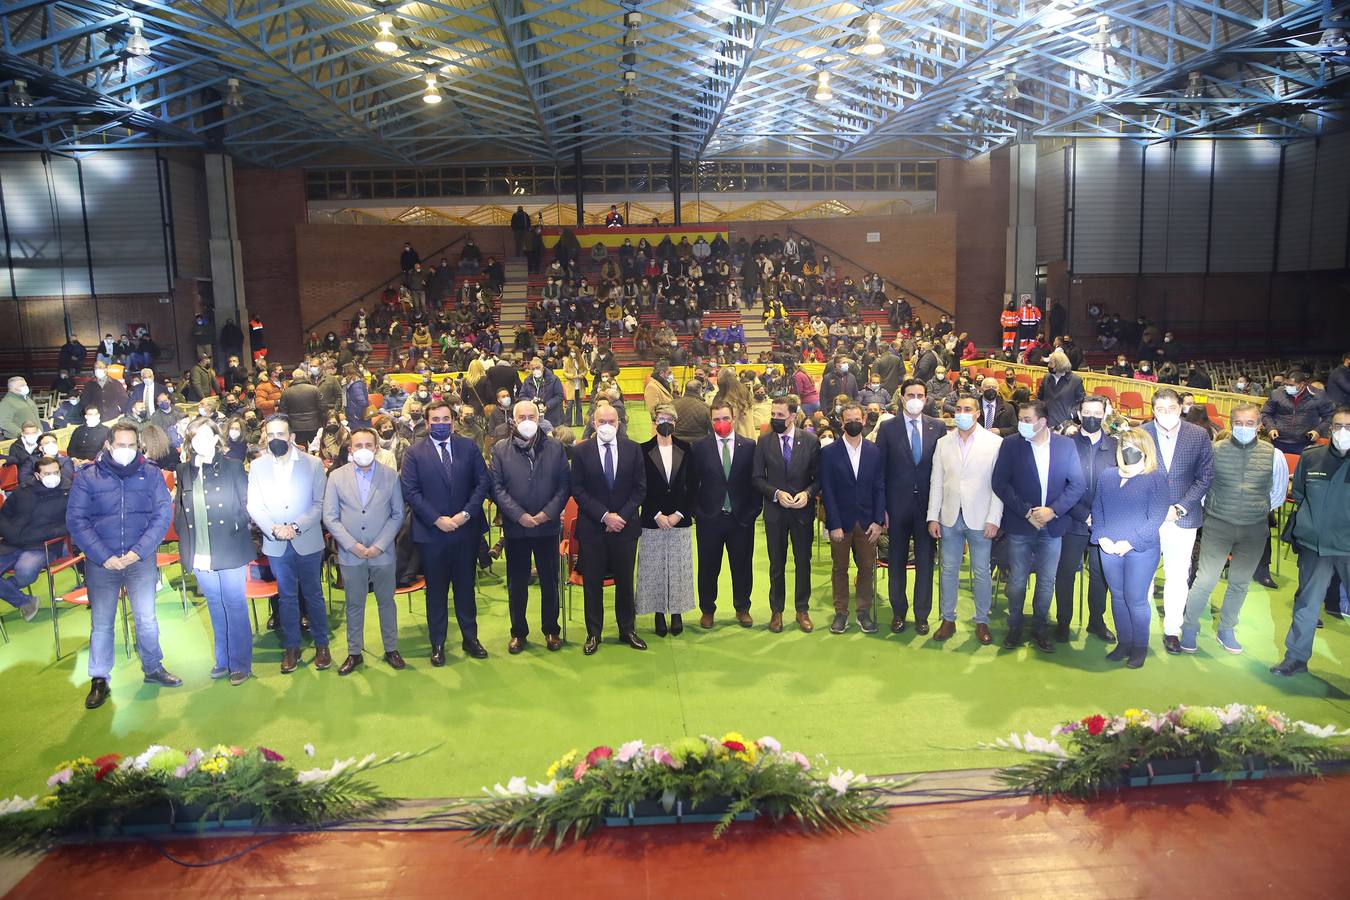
(1028, 553)
(224, 592)
(297, 576)
(139, 580)
(27, 564)
(954, 541)
(1130, 578)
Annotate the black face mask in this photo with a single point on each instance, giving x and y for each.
(1090, 424)
(278, 446)
(779, 426)
(991, 394)
(1131, 455)
(665, 429)
(853, 428)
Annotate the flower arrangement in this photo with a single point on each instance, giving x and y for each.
(731, 774)
(1082, 757)
(171, 786)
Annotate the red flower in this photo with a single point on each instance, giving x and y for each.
(271, 755)
(734, 746)
(579, 771)
(596, 755)
(107, 759)
(1095, 725)
(105, 770)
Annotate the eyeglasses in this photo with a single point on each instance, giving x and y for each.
(1344, 426)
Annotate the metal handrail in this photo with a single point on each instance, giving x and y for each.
(835, 254)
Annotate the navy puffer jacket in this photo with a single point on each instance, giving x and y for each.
(114, 509)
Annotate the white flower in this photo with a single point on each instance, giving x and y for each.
(544, 790)
(1322, 731)
(309, 749)
(628, 751)
(1034, 744)
(16, 804)
(1231, 713)
(310, 776)
(769, 744)
(842, 780)
(142, 762)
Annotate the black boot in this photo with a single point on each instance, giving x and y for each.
(660, 625)
(676, 624)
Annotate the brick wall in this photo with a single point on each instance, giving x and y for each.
(270, 206)
(975, 193)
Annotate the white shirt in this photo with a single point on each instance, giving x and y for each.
(913, 425)
(854, 455)
(1167, 444)
(1041, 452)
(600, 448)
(667, 458)
(729, 442)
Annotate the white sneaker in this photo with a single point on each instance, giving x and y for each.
(29, 610)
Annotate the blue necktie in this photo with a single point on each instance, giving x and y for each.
(609, 464)
(915, 443)
(787, 451)
(445, 455)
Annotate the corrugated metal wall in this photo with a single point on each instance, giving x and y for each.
(1051, 194)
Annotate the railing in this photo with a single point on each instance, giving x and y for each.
(908, 292)
(363, 297)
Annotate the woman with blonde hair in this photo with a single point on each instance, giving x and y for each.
(476, 390)
(732, 391)
(211, 517)
(575, 371)
(1129, 507)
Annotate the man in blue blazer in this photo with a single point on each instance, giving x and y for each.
(725, 508)
(1039, 478)
(445, 482)
(1187, 456)
(906, 443)
(853, 487)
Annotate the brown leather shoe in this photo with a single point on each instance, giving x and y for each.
(804, 622)
(395, 660)
(982, 634)
(516, 645)
(553, 642)
(897, 624)
(945, 630)
(322, 659)
(705, 620)
(349, 664)
(289, 660)
(776, 622)
(743, 618)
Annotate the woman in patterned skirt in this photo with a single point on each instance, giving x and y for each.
(665, 582)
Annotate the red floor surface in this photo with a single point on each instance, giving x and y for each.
(1282, 839)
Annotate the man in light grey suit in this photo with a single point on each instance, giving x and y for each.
(285, 499)
(363, 509)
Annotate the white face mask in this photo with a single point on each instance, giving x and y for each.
(51, 481)
(124, 456)
(50, 450)
(234, 434)
(30, 440)
(1167, 421)
(204, 445)
(527, 428)
(363, 457)
(1341, 440)
(22, 391)
(914, 405)
(91, 421)
(606, 432)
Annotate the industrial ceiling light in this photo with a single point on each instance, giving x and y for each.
(1101, 41)
(1333, 39)
(1195, 86)
(632, 36)
(432, 94)
(385, 41)
(233, 99)
(18, 93)
(873, 45)
(823, 93)
(629, 89)
(1010, 91)
(137, 45)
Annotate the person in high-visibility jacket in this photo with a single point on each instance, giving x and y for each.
(1009, 320)
(1029, 319)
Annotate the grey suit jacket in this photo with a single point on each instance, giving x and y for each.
(374, 523)
(298, 502)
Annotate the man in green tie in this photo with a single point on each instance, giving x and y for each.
(726, 506)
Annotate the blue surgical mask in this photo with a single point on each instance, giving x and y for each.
(1026, 429)
(1244, 434)
(965, 421)
(439, 431)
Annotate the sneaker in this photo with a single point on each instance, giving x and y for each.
(1229, 641)
(238, 678)
(1188, 636)
(840, 623)
(866, 622)
(218, 672)
(29, 610)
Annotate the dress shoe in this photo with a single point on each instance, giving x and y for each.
(238, 678)
(395, 660)
(496, 551)
(1102, 632)
(322, 658)
(920, 627)
(1172, 643)
(438, 655)
(897, 624)
(1061, 634)
(474, 649)
(945, 630)
(840, 623)
(553, 643)
(1041, 641)
(705, 620)
(1119, 654)
(660, 626)
(982, 634)
(866, 622)
(743, 618)
(776, 622)
(1014, 639)
(676, 624)
(1136, 660)
(1286, 667)
(164, 678)
(289, 660)
(98, 693)
(271, 622)
(804, 622)
(1267, 582)
(1320, 623)
(349, 664)
(515, 645)
(632, 640)
(592, 644)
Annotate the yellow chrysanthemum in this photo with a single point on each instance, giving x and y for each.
(47, 802)
(215, 766)
(562, 764)
(1134, 716)
(76, 763)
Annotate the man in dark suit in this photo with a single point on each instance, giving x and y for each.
(445, 482)
(147, 391)
(906, 443)
(609, 482)
(1039, 478)
(853, 487)
(725, 510)
(786, 473)
(996, 414)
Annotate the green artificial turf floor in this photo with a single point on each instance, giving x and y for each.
(878, 703)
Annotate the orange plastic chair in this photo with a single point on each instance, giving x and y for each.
(1131, 401)
(257, 588)
(570, 551)
(165, 558)
(1105, 390)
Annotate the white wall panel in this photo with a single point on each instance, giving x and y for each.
(1051, 188)
(46, 227)
(126, 236)
(1155, 233)
(1188, 207)
(1246, 179)
(1106, 181)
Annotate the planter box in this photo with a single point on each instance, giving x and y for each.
(709, 811)
(651, 812)
(166, 818)
(1190, 770)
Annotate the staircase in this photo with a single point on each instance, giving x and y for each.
(757, 337)
(514, 295)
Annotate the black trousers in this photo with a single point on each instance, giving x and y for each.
(777, 532)
(910, 526)
(715, 535)
(1071, 553)
(544, 552)
(448, 566)
(609, 556)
